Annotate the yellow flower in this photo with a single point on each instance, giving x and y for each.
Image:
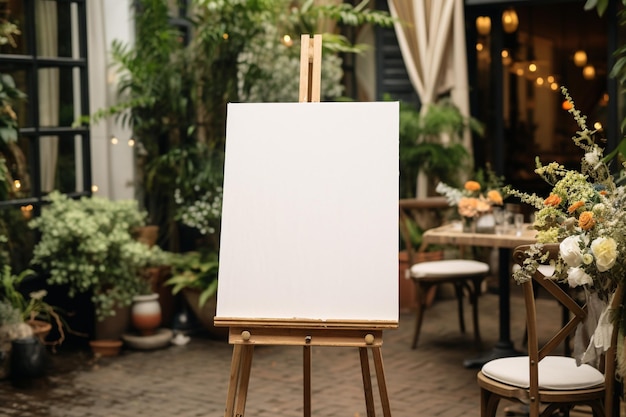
(495, 197)
(586, 220)
(605, 252)
(472, 186)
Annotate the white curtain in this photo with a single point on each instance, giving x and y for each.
(431, 35)
(47, 45)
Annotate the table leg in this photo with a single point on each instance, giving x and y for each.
(504, 347)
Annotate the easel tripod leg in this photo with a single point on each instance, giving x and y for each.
(307, 380)
(380, 377)
(238, 382)
(367, 382)
(244, 379)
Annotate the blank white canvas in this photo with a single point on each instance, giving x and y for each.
(310, 212)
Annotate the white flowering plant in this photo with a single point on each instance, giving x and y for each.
(88, 245)
(585, 213)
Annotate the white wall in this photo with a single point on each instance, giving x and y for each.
(112, 166)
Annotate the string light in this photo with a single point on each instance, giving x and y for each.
(483, 25)
(114, 140)
(510, 21)
(94, 188)
(27, 211)
(287, 41)
(131, 142)
(580, 58)
(17, 184)
(589, 72)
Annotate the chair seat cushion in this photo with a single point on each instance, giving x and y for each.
(555, 373)
(446, 268)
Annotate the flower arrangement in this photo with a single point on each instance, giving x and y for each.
(472, 201)
(585, 213)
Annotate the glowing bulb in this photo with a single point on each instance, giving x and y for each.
(519, 71)
(550, 78)
(597, 126)
(532, 67)
(94, 188)
(483, 25)
(479, 46)
(539, 81)
(580, 58)
(510, 20)
(554, 86)
(27, 211)
(131, 142)
(114, 140)
(287, 41)
(17, 184)
(225, 36)
(589, 72)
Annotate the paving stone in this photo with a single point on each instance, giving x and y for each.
(191, 380)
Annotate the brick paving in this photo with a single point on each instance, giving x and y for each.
(191, 380)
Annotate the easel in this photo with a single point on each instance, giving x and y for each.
(244, 334)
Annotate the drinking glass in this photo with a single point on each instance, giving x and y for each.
(518, 221)
(498, 219)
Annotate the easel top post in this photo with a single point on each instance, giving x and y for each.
(310, 68)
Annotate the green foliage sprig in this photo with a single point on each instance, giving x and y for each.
(195, 270)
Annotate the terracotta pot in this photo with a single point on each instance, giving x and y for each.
(105, 347)
(146, 313)
(41, 329)
(113, 327)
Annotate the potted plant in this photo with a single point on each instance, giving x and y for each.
(88, 245)
(25, 321)
(430, 143)
(195, 275)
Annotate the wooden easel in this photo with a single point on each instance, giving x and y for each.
(244, 334)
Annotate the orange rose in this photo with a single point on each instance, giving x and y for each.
(472, 186)
(586, 220)
(468, 207)
(495, 197)
(571, 209)
(553, 200)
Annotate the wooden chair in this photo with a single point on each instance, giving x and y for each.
(428, 270)
(557, 383)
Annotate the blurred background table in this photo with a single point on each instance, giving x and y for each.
(452, 234)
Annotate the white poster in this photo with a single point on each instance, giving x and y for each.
(310, 212)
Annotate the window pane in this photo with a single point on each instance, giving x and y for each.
(12, 20)
(59, 98)
(16, 156)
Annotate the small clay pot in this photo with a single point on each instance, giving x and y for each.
(146, 313)
(105, 347)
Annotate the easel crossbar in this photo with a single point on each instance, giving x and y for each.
(305, 337)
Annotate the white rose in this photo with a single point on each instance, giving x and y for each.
(577, 276)
(605, 251)
(570, 251)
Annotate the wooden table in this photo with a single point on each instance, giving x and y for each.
(451, 234)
